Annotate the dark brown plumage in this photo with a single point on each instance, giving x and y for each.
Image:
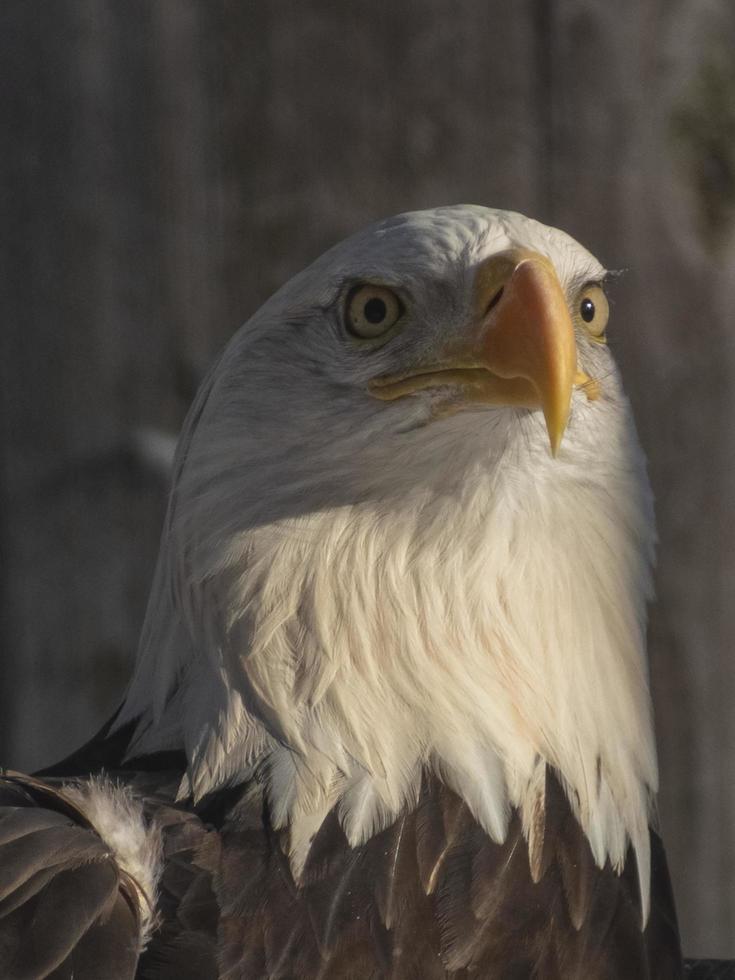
(66, 908)
(431, 897)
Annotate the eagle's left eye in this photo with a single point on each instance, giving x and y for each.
(593, 311)
(372, 311)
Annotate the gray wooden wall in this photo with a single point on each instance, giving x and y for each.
(167, 163)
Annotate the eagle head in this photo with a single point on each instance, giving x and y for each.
(410, 527)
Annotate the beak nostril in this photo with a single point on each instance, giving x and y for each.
(495, 300)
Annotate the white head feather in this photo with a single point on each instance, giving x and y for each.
(350, 589)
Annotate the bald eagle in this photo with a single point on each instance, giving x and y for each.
(390, 716)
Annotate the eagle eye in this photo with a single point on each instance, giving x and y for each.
(593, 311)
(372, 311)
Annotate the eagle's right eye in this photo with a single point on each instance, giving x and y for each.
(372, 311)
(593, 310)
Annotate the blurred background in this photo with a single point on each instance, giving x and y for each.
(166, 164)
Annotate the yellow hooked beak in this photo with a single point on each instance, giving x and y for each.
(520, 351)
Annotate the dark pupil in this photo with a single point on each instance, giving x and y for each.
(587, 309)
(375, 310)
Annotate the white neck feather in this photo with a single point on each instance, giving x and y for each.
(484, 632)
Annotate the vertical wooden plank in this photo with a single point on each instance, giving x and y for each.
(84, 368)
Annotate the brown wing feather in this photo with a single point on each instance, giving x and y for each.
(65, 908)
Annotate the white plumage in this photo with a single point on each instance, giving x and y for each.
(350, 589)
(117, 815)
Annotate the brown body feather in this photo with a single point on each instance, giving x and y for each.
(429, 898)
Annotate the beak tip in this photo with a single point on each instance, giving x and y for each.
(555, 429)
